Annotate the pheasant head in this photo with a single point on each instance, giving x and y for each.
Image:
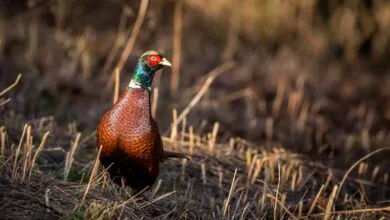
(147, 65)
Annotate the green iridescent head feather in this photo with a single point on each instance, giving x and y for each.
(147, 65)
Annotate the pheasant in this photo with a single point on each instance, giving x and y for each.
(128, 134)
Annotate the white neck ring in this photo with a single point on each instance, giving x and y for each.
(136, 85)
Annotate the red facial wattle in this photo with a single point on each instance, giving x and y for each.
(154, 60)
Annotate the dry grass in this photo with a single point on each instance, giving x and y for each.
(232, 180)
(252, 184)
(276, 134)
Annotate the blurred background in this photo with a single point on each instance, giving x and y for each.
(311, 76)
(307, 90)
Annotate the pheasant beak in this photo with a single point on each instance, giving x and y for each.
(165, 62)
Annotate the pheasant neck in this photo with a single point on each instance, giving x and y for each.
(142, 77)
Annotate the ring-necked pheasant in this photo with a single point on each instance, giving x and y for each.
(131, 143)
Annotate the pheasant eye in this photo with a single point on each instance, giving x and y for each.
(154, 60)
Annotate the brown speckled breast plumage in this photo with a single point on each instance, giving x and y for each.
(130, 140)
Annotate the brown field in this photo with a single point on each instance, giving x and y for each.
(285, 103)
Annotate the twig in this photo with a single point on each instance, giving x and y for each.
(357, 163)
(69, 156)
(281, 205)
(7, 160)
(14, 169)
(93, 173)
(133, 37)
(4, 102)
(154, 102)
(329, 206)
(118, 41)
(87, 138)
(117, 84)
(225, 207)
(211, 77)
(277, 191)
(339, 172)
(37, 152)
(47, 200)
(177, 31)
(313, 204)
(158, 198)
(12, 85)
(356, 211)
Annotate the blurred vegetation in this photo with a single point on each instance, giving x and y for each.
(308, 97)
(353, 31)
(69, 42)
